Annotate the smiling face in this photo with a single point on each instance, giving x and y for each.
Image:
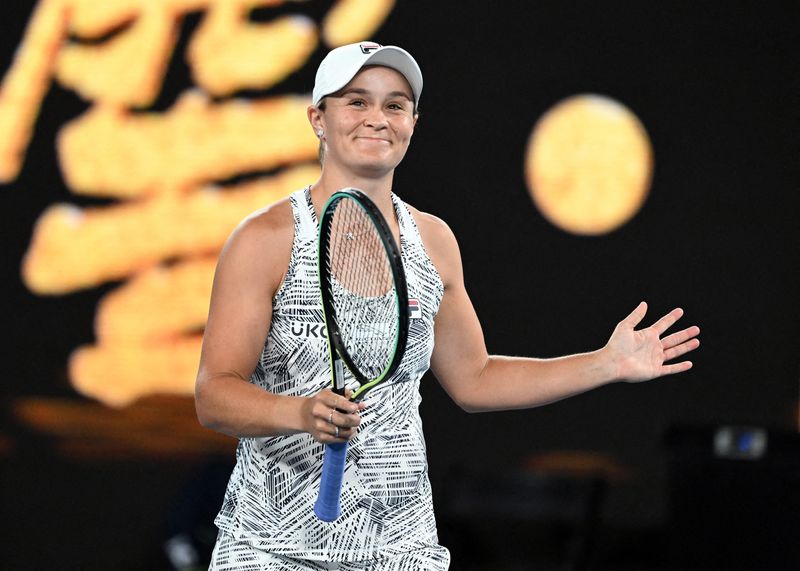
(368, 123)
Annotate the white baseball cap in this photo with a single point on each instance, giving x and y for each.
(343, 63)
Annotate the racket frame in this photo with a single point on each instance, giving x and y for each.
(336, 348)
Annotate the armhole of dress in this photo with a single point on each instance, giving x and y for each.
(407, 218)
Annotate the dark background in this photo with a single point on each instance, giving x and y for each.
(715, 85)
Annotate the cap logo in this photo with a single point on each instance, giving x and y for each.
(368, 48)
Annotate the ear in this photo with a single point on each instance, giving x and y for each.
(315, 118)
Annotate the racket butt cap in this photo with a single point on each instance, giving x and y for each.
(327, 513)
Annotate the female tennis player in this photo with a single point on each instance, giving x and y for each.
(265, 370)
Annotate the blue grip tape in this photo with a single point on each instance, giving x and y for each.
(328, 507)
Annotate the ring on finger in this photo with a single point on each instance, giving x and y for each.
(330, 417)
(337, 432)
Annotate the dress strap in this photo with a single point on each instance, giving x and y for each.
(408, 228)
(305, 218)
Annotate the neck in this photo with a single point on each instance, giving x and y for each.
(378, 189)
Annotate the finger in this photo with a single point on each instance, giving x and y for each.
(359, 405)
(680, 337)
(346, 433)
(344, 404)
(328, 398)
(331, 400)
(324, 409)
(667, 321)
(676, 368)
(326, 432)
(345, 420)
(331, 434)
(681, 349)
(636, 316)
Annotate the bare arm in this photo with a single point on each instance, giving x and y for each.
(250, 269)
(478, 381)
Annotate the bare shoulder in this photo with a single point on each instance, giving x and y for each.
(440, 243)
(272, 224)
(260, 246)
(268, 222)
(432, 228)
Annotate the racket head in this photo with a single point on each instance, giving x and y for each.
(363, 289)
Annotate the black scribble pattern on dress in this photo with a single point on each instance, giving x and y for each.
(387, 508)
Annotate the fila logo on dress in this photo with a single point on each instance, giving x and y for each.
(414, 309)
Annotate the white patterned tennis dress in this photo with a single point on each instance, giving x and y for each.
(387, 522)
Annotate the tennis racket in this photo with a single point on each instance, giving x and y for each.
(365, 302)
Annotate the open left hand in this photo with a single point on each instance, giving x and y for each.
(642, 355)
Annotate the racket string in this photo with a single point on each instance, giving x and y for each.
(362, 289)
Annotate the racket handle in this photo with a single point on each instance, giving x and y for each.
(328, 507)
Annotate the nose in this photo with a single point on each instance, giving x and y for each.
(376, 118)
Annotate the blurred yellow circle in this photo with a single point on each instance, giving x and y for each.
(588, 164)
